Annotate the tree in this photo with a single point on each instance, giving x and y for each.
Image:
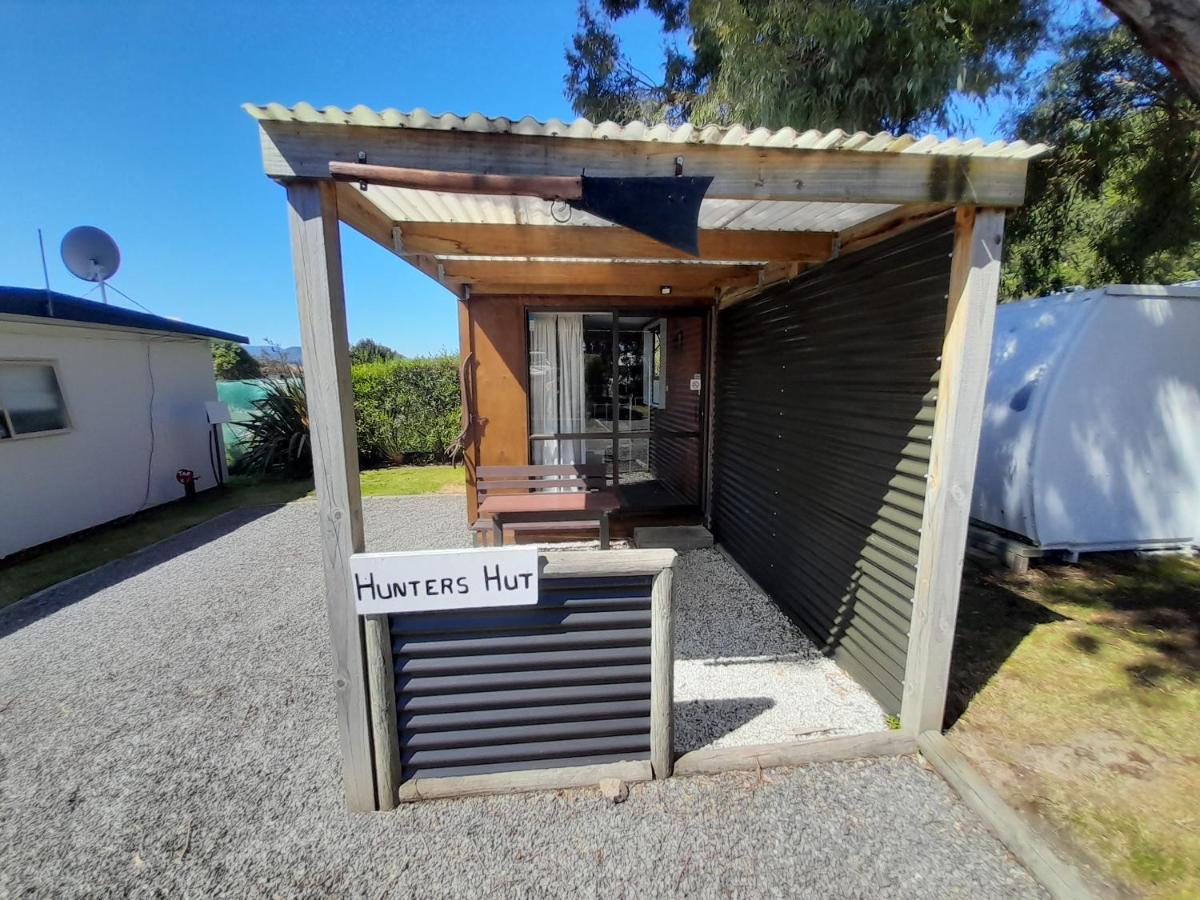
(1170, 31)
(367, 350)
(1118, 200)
(869, 64)
(232, 362)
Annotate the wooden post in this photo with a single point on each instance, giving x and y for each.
(662, 675)
(966, 349)
(317, 260)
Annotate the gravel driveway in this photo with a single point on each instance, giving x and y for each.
(167, 727)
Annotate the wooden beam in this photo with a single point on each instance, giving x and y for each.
(662, 674)
(522, 780)
(467, 239)
(569, 276)
(317, 260)
(368, 220)
(711, 761)
(966, 350)
(886, 225)
(304, 150)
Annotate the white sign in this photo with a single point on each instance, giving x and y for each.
(694, 384)
(428, 580)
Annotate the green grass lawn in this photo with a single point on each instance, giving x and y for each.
(1079, 694)
(40, 567)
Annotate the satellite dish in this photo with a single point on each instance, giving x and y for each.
(90, 254)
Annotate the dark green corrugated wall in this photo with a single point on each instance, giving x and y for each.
(825, 398)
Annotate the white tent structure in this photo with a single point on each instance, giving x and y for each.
(1091, 429)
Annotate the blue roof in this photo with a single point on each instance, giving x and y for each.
(42, 304)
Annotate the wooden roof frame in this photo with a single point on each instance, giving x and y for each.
(538, 259)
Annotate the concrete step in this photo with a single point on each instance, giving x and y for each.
(675, 537)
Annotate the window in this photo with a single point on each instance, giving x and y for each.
(653, 359)
(31, 401)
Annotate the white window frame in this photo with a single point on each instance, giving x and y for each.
(659, 400)
(12, 434)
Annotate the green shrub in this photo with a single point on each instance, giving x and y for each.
(406, 410)
(275, 437)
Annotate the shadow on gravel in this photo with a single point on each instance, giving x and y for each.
(699, 723)
(36, 607)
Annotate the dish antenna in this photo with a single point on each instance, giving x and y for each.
(90, 254)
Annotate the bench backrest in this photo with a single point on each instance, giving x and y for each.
(582, 477)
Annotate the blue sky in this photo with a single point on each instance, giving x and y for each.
(127, 116)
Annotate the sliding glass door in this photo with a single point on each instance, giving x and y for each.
(623, 390)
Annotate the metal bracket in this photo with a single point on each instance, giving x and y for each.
(397, 240)
(678, 166)
(362, 158)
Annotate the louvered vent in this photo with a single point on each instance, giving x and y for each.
(562, 683)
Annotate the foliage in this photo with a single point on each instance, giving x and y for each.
(275, 438)
(369, 351)
(404, 481)
(232, 362)
(1119, 199)
(1083, 684)
(868, 64)
(406, 409)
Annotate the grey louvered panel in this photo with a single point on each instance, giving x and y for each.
(565, 682)
(826, 389)
(575, 639)
(528, 715)
(502, 699)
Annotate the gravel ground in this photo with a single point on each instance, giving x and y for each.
(167, 727)
(745, 674)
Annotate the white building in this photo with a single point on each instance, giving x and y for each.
(100, 407)
(1091, 430)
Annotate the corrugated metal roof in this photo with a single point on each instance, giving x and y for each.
(42, 304)
(730, 135)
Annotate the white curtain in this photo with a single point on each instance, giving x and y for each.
(556, 389)
(571, 397)
(543, 385)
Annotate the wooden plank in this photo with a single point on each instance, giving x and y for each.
(886, 225)
(662, 675)
(518, 782)
(368, 220)
(471, 239)
(966, 350)
(1061, 879)
(569, 277)
(381, 693)
(620, 289)
(304, 150)
(766, 756)
(590, 563)
(317, 260)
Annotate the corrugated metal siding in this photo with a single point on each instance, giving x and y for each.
(562, 683)
(825, 400)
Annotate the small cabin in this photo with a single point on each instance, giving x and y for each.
(100, 409)
(809, 384)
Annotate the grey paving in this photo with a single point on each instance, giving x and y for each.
(167, 728)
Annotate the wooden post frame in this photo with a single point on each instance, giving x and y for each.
(317, 260)
(966, 350)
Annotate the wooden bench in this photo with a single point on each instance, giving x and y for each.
(543, 498)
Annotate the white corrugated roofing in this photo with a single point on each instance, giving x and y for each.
(687, 133)
(405, 205)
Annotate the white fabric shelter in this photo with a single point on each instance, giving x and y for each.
(1091, 431)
